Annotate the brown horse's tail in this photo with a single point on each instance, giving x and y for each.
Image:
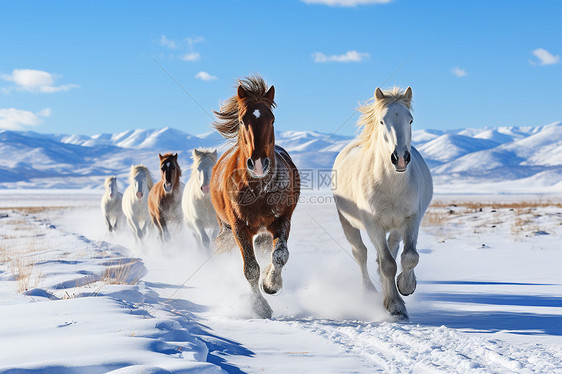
(228, 117)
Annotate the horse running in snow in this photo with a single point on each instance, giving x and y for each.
(164, 200)
(198, 212)
(135, 200)
(384, 186)
(111, 204)
(255, 185)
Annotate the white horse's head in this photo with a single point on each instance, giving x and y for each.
(202, 169)
(388, 122)
(111, 186)
(140, 180)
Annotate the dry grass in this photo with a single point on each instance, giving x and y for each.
(521, 216)
(515, 205)
(32, 209)
(23, 270)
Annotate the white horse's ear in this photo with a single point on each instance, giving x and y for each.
(215, 153)
(408, 94)
(196, 153)
(379, 95)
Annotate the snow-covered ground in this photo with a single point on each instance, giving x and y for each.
(76, 299)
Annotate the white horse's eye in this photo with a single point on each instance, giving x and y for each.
(411, 121)
(382, 123)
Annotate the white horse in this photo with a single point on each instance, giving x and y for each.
(135, 200)
(111, 204)
(198, 211)
(384, 186)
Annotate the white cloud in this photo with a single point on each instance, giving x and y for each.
(192, 56)
(346, 3)
(349, 56)
(34, 81)
(545, 57)
(185, 48)
(203, 75)
(459, 72)
(16, 119)
(168, 43)
(196, 39)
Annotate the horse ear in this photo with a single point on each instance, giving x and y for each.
(408, 94)
(175, 156)
(196, 153)
(161, 157)
(241, 92)
(378, 94)
(270, 94)
(215, 153)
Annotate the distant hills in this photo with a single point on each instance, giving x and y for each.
(502, 159)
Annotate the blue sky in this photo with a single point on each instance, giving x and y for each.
(86, 67)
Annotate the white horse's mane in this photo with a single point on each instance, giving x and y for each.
(209, 153)
(108, 180)
(135, 169)
(372, 109)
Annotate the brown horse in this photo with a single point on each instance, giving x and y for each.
(254, 185)
(164, 199)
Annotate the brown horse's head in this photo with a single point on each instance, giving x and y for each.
(170, 171)
(256, 138)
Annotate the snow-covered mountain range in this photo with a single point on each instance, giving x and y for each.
(529, 157)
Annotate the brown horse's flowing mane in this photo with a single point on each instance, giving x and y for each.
(233, 109)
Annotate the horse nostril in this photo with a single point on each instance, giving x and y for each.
(407, 156)
(265, 164)
(394, 158)
(250, 163)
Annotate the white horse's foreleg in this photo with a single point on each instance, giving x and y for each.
(394, 242)
(204, 240)
(393, 303)
(407, 279)
(108, 223)
(272, 280)
(359, 250)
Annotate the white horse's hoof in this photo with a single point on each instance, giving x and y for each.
(261, 307)
(396, 309)
(406, 283)
(272, 281)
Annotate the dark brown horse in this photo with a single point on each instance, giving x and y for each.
(164, 199)
(255, 185)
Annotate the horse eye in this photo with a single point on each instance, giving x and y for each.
(382, 123)
(411, 121)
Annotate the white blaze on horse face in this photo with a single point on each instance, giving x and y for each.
(257, 113)
(258, 169)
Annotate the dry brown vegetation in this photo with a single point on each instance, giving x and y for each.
(522, 216)
(31, 209)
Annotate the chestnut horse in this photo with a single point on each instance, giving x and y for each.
(254, 185)
(164, 199)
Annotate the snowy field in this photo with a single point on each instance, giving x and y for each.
(75, 299)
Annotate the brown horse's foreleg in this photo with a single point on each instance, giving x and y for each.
(272, 280)
(251, 268)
